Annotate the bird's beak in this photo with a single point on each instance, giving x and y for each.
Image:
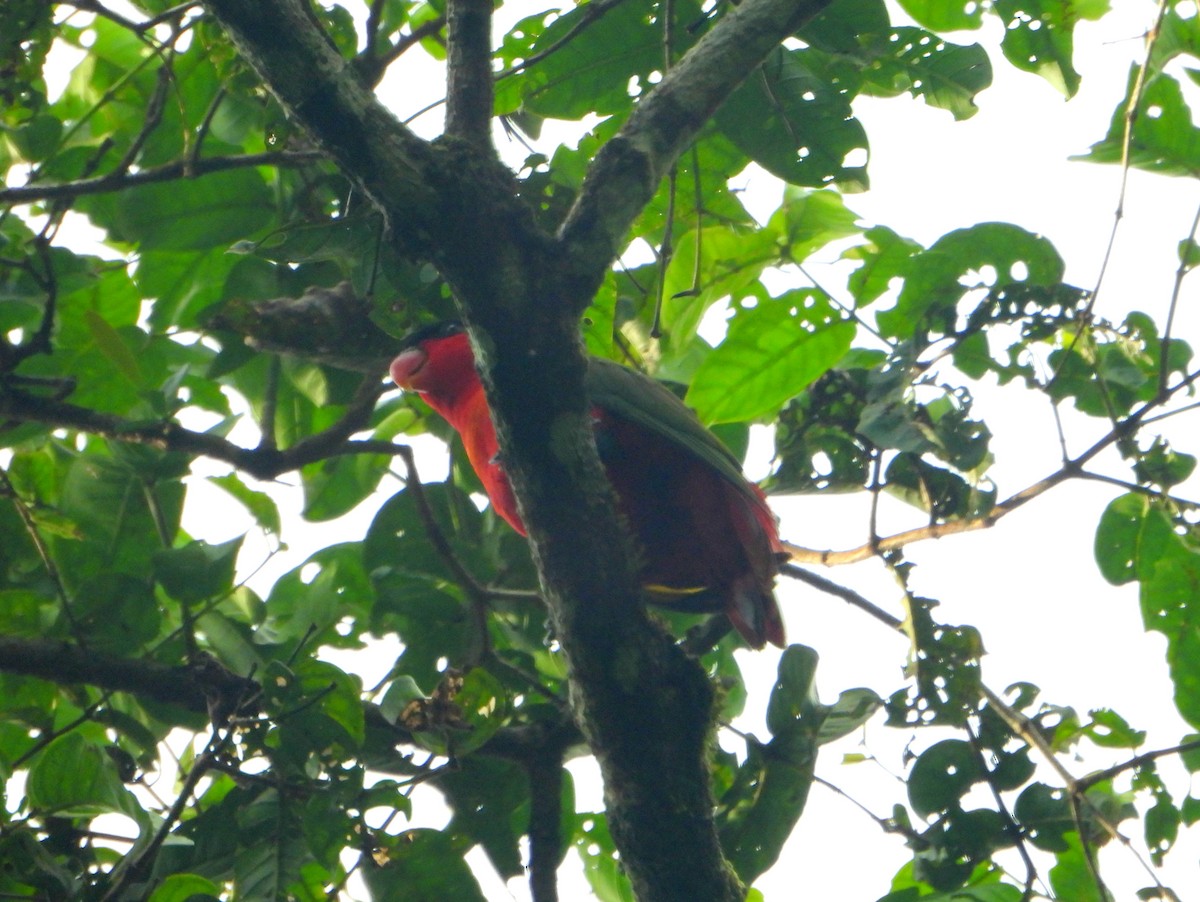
(406, 366)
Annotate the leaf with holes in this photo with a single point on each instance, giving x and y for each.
(1164, 139)
(772, 353)
(947, 76)
(942, 775)
(795, 125)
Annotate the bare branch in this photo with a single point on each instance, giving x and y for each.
(469, 71)
(842, 592)
(62, 662)
(371, 66)
(1071, 469)
(120, 181)
(320, 88)
(545, 824)
(1137, 761)
(627, 170)
(262, 462)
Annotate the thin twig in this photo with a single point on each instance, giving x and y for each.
(1100, 776)
(1069, 470)
(886, 824)
(202, 130)
(1137, 489)
(118, 181)
(667, 248)
(1176, 290)
(842, 592)
(475, 590)
(1135, 98)
(152, 118)
(130, 868)
(371, 67)
(1011, 827)
(589, 15)
(39, 544)
(262, 463)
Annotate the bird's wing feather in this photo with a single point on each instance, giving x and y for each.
(648, 403)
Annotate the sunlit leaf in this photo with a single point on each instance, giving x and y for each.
(772, 353)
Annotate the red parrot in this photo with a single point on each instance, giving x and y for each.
(706, 539)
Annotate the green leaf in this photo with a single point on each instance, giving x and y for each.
(795, 125)
(809, 220)
(1160, 826)
(1039, 38)
(272, 847)
(231, 642)
(490, 803)
(183, 284)
(119, 509)
(1109, 729)
(1117, 537)
(592, 68)
(989, 254)
(942, 775)
(1164, 138)
(73, 777)
(324, 708)
(215, 210)
(772, 353)
(261, 505)
(770, 789)
(945, 15)
(110, 344)
(336, 485)
(37, 138)
(947, 76)
(1190, 758)
(197, 571)
(1046, 816)
(1071, 878)
(1169, 569)
(794, 694)
(327, 587)
(727, 263)
(421, 865)
(853, 708)
(404, 689)
(186, 888)
(601, 864)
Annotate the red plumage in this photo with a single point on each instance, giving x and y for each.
(707, 540)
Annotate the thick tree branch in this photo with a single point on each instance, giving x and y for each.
(546, 849)
(193, 687)
(321, 89)
(65, 663)
(645, 708)
(627, 170)
(469, 72)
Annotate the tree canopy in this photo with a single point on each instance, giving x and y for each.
(216, 229)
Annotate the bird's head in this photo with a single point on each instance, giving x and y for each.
(435, 360)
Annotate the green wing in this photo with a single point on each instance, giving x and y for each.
(648, 403)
